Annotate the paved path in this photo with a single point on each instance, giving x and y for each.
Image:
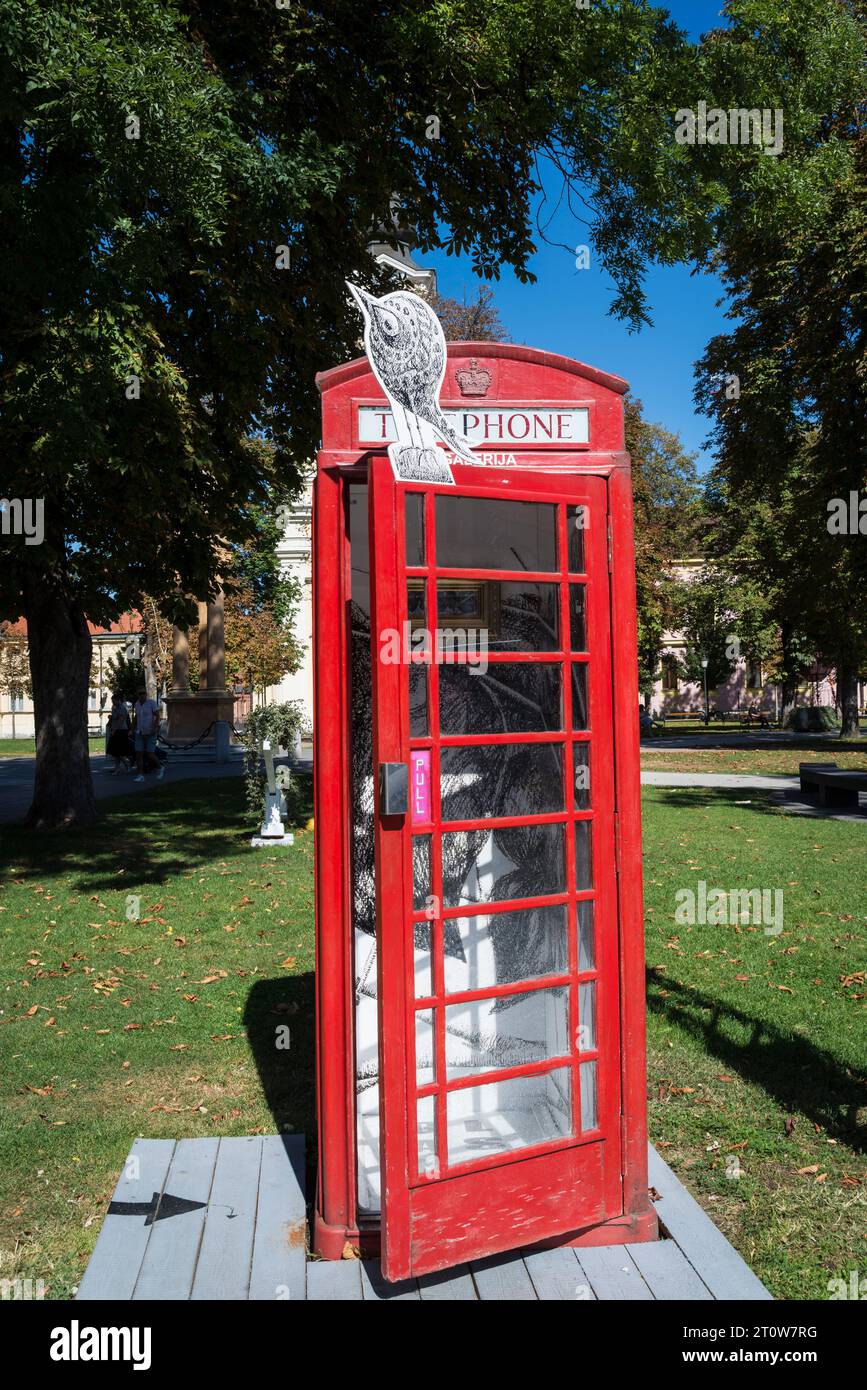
(752, 780)
(16, 780)
(756, 738)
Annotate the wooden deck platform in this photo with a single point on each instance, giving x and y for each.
(225, 1219)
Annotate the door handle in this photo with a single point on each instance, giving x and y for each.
(393, 789)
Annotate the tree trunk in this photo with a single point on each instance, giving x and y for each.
(789, 683)
(60, 657)
(149, 665)
(847, 690)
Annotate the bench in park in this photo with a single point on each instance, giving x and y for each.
(836, 786)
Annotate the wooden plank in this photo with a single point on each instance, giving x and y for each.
(223, 1269)
(448, 1285)
(668, 1273)
(334, 1281)
(556, 1274)
(717, 1262)
(503, 1277)
(612, 1274)
(376, 1289)
(123, 1239)
(170, 1259)
(279, 1268)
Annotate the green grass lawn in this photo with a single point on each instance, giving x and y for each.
(166, 1026)
(779, 761)
(756, 1042)
(26, 747)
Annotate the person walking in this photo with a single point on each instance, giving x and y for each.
(118, 746)
(147, 722)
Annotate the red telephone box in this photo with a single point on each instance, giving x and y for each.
(480, 969)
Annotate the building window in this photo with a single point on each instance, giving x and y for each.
(670, 674)
(93, 699)
(16, 701)
(754, 675)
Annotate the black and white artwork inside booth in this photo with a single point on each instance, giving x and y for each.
(479, 867)
(406, 348)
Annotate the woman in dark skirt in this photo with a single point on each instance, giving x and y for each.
(119, 744)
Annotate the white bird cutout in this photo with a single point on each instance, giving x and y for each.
(406, 348)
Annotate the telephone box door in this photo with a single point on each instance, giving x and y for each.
(495, 846)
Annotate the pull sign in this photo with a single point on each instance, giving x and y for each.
(419, 763)
(393, 789)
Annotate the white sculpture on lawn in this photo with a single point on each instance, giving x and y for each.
(273, 830)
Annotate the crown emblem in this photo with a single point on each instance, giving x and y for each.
(473, 380)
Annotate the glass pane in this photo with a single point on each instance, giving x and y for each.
(587, 1016)
(416, 605)
(506, 697)
(426, 1125)
(504, 947)
(509, 1031)
(420, 872)
(425, 1050)
(583, 855)
(500, 1116)
(414, 511)
(496, 534)
(586, 936)
(581, 761)
(485, 866)
(422, 939)
(587, 1083)
(577, 622)
(580, 718)
(577, 519)
(506, 779)
(494, 615)
(418, 725)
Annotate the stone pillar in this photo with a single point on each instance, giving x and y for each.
(212, 707)
(203, 646)
(216, 645)
(180, 661)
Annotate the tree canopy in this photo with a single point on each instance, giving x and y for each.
(185, 188)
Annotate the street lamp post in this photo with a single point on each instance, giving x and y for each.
(706, 705)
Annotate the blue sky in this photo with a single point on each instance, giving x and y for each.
(566, 310)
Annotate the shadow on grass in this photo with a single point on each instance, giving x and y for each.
(799, 1076)
(764, 801)
(143, 840)
(287, 1075)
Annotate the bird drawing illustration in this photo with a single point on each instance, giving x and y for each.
(406, 348)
